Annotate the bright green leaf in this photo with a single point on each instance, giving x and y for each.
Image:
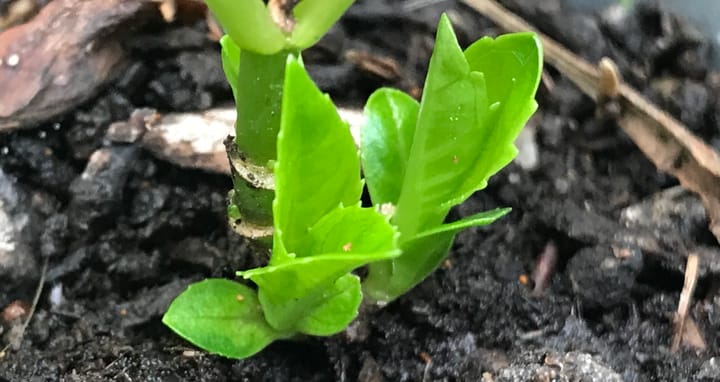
(294, 289)
(291, 291)
(450, 125)
(314, 18)
(389, 279)
(421, 255)
(249, 24)
(512, 65)
(478, 219)
(317, 168)
(386, 139)
(339, 308)
(222, 317)
(352, 230)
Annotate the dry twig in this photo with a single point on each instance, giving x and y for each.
(681, 318)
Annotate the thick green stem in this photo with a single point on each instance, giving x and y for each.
(258, 98)
(259, 101)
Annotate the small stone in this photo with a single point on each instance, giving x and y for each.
(13, 60)
(16, 310)
(601, 278)
(98, 192)
(17, 260)
(370, 371)
(710, 369)
(528, 153)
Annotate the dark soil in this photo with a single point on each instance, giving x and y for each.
(123, 242)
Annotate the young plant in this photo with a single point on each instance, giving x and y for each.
(421, 159)
(321, 234)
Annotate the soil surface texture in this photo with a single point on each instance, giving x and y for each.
(561, 289)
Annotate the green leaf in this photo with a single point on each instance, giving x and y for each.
(389, 279)
(512, 65)
(222, 317)
(249, 24)
(479, 219)
(314, 18)
(339, 308)
(351, 230)
(293, 290)
(317, 169)
(451, 124)
(420, 257)
(386, 139)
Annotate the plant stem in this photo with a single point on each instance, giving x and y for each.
(259, 87)
(258, 100)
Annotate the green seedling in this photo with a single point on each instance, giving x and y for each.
(297, 179)
(421, 159)
(321, 234)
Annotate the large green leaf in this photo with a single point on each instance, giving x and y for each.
(222, 317)
(317, 169)
(292, 291)
(386, 139)
(512, 65)
(451, 122)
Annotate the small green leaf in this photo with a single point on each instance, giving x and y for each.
(318, 168)
(389, 279)
(343, 240)
(420, 257)
(293, 290)
(314, 18)
(386, 139)
(222, 317)
(249, 24)
(351, 230)
(479, 219)
(339, 308)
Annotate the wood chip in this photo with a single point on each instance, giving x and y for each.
(196, 140)
(60, 58)
(168, 9)
(383, 67)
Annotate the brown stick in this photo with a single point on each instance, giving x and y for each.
(685, 298)
(664, 140)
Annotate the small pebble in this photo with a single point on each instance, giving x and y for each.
(13, 60)
(56, 295)
(14, 310)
